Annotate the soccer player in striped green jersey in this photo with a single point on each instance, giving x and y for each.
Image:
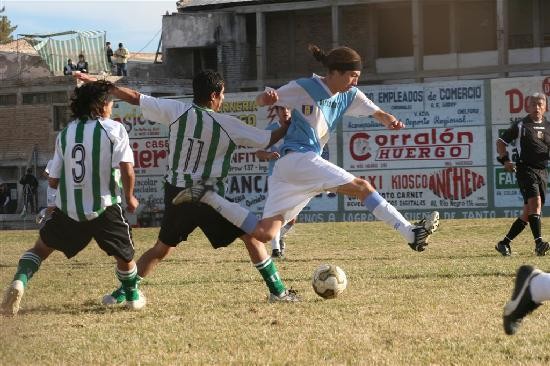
(91, 156)
(201, 142)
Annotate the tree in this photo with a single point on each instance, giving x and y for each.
(6, 30)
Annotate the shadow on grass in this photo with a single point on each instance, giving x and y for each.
(88, 307)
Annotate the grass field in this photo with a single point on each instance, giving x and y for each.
(442, 306)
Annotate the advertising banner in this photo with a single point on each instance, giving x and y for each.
(508, 97)
(433, 147)
(441, 104)
(421, 189)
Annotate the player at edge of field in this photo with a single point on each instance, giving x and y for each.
(92, 156)
(201, 142)
(531, 289)
(532, 136)
(317, 104)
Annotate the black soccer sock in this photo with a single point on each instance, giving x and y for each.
(515, 230)
(534, 223)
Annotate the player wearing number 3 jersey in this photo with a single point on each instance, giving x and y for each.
(91, 155)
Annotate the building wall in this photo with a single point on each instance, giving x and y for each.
(14, 66)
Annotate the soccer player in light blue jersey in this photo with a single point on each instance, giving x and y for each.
(318, 104)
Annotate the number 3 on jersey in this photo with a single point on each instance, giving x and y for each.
(79, 169)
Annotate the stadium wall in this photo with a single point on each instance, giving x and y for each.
(445, 159)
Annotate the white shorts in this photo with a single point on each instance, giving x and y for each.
(296, 179)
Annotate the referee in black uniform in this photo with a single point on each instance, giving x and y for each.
(532, 135)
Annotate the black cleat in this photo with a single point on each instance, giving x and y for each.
(521, 303)
(276, 253)
(423, 230)
(541, 248)
(503, 249)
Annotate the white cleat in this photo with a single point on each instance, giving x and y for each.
(136, 304)
(12, 298)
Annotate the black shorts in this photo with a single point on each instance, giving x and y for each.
(532, 182)
(110, 230)
(180, 221)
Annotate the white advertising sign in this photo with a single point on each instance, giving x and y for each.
(437, 188)
(442, 104)
(508, 97)
(434, 147)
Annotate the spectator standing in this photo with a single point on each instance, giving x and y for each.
(122, 55)
(109, 53)
(4, 198)
(30, 184)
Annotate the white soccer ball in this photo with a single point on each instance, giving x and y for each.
(329, 281)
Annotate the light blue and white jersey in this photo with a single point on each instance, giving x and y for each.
(315, 112)
(276, 147)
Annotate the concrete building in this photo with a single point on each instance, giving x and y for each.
(256, 43)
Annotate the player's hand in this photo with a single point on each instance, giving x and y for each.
(273, 155)
(510, 167)
(132, 204)
(269, 96)
(86, 78)
(396, 125)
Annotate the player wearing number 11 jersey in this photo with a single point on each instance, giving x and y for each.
(201, 142)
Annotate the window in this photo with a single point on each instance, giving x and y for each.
(45, 97)
(394, 31)
(476, 26)
(436, 28)
(8, 99)
(520, 16)
(61, 116)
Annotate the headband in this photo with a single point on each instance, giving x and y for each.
(346, 66)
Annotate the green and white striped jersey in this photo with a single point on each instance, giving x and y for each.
(86, 162)
(201, 141)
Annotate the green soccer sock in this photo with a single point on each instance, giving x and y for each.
(269, 272)
(28, 265)
(129, 281)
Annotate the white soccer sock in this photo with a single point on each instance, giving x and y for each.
(540, 288)
(383, 211)
(233, 212)
(275, 242)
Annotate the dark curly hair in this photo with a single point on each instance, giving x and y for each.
(205, 83)
(88, 101)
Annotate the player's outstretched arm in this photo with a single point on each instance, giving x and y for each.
(126, 94)
(388, 120)
(128, 180)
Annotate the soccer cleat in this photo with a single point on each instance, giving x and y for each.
(282, 245)
(12, 298)
(541, 248)
(191, 194)
(287, 296)
(503, 248)
(135, 300)
(521, 302)
(117, 297)
(423, 230)
(276, 253)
